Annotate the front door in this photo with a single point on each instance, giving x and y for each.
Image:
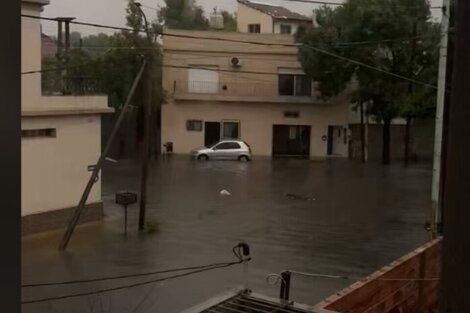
(211, 133)
(291, 140)
(336, 140)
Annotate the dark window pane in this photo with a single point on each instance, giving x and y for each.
(303, 86)
(227, 146)
(230, 130)
(254, 28)
(286, 85)
(194, 125)
(286, 29)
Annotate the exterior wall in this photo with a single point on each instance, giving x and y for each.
(248, 97)
(277, 26)
(422, 140)
(30, 53)
(247, 15)
(378, 294)
(54, 170)
(256, 123)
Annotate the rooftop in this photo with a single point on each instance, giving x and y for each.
(275, 11)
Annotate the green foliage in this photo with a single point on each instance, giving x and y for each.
(230, 21)
(386, 34)
(183, 14)
(151, 227)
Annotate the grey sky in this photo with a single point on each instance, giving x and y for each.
(112, 12)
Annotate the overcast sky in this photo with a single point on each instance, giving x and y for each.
(112, 12)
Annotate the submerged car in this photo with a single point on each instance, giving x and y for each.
(224, 150)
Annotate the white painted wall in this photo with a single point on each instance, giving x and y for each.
(256, 123)
(54, 170)
(277, 26)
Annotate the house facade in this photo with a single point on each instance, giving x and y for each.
(61, 134)
(234, 89)
(259, 17)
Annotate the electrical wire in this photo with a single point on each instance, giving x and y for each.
(355, 278)
(80, 281)
(87, 293)
(342, 3)
(264, 44)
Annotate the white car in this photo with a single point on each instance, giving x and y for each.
(224, 150)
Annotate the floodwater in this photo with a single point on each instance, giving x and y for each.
(345, 218)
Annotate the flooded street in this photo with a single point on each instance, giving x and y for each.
(335, 217)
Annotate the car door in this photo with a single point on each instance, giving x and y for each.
(227, 150)
(220, 151)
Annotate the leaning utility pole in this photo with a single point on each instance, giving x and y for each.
(441, 95)
(81, 205)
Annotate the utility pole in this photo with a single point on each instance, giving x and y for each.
(441, 95)
(147, 106)
(91, 181)
(63, 47)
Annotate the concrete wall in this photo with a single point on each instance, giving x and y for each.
(247, 15)
(256, 123)
(54, 170)
(251, 98)
(378, 294)
(422, 132)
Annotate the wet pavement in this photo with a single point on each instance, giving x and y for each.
(336, 217)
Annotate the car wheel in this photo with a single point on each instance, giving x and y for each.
(203, 157)
(243, 158)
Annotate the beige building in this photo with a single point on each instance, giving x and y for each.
(265, 18)
(61, 137)
(231, 89)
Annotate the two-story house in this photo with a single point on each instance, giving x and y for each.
(265, 18)
(61, 136)
(232, 88)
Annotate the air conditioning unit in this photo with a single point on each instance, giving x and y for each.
(236, 62)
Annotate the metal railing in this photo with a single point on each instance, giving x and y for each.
(72, 85)
(229, 88)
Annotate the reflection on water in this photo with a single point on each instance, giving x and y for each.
(361, 218)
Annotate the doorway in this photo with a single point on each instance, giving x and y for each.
(336, 140)
(291, 140)
(211, 133)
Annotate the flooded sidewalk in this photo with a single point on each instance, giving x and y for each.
(334, 217)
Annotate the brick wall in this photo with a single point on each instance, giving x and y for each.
(376, 294)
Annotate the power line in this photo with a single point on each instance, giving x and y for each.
(342, 3)
(263, 44)
(75, 295)
(81, 281)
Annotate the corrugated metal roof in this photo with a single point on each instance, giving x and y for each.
(244, 301)
(275, 11)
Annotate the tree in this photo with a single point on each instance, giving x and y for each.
(374, 32)
(183, 14)
(230, 21)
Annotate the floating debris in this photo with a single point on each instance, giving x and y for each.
(224, 192)
(298, 197)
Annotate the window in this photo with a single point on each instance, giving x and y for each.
(46, 132)
(203, 80)
(230, 130)
(254, 28)
(194, 125)
(227, 146)
(286, 29)
(294, 85)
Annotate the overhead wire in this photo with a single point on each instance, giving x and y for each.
(115, 277)
(325, 52)
(342, 3)
(105, 290)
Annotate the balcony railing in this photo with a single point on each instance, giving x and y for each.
(74, 85)
(230, 88)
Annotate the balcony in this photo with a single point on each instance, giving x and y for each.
(71, 86)
(235, 91)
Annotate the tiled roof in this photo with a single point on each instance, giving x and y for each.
(275, 11)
